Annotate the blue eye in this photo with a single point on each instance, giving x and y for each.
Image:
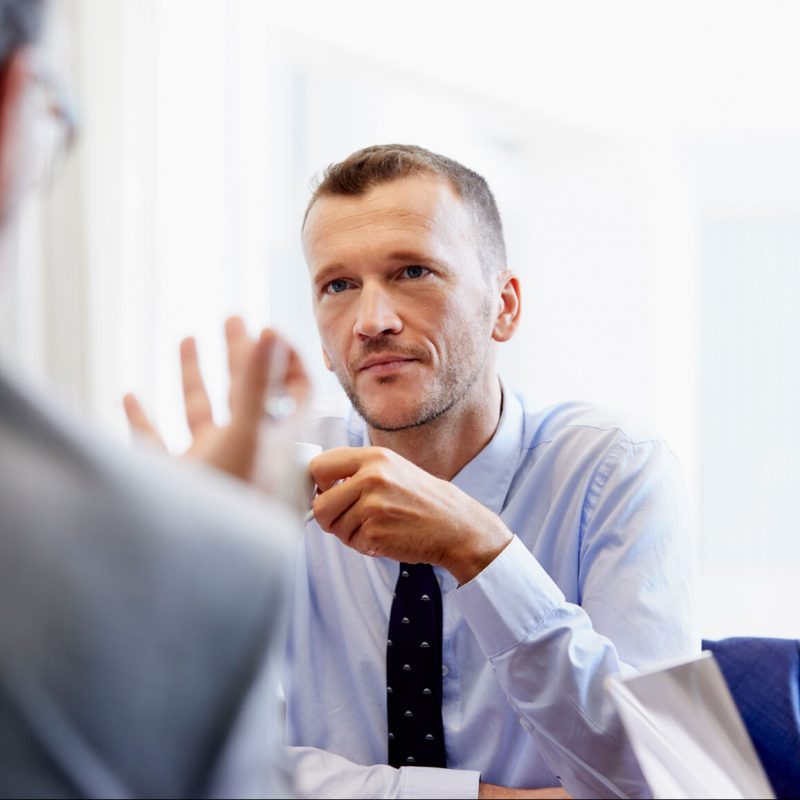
(415, 271)
(337, 286)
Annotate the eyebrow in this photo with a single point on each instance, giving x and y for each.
(327, 273)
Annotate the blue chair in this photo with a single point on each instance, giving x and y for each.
(763, 676)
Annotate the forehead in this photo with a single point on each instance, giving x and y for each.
(417, 211)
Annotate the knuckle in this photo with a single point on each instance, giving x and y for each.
(372, 507)
(381, 455)
(387, 456)
(372, 478)
(370, 539)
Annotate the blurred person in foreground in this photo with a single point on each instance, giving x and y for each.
(557, 537)
(141, 602)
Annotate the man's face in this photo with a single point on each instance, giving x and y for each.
(404, 309)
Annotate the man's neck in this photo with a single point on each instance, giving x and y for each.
(447, 444)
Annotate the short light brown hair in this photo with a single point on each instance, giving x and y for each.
(383, 163)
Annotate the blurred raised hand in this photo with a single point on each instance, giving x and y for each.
(269, 388)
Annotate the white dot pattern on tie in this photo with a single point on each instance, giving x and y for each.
(414, 670)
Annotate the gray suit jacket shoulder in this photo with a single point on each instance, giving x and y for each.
(141, 607)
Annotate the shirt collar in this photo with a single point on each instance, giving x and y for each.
(487, 478)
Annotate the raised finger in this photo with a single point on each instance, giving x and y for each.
(139, 421)
(273, 369)
(249, 404)
(195, 396)
(297, 380)
(239, 346)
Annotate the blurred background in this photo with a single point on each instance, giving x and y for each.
(645, 157)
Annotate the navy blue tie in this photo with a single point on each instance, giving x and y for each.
(414, 670)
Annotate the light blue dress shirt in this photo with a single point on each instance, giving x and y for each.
(597, 580)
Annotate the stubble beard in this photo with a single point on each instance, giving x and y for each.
(451, 388)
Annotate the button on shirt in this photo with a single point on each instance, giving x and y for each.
(596, 581)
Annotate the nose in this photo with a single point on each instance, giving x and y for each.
(376, 314)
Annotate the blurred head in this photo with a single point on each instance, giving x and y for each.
(27, 105)
(20, 25)
(410, 294)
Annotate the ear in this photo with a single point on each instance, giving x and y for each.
(507, 320)
(15, 76)
(327, 360)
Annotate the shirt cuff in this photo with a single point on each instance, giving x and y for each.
(436, 783)
(509, 599)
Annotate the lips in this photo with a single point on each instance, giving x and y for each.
(384, 362)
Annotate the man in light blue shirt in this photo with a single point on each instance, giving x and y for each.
(558, 537)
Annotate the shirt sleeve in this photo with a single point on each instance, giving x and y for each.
(552, 656)
(317, 773)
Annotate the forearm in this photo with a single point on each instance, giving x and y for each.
(570, 716)
(551, 665)
(632, 579)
